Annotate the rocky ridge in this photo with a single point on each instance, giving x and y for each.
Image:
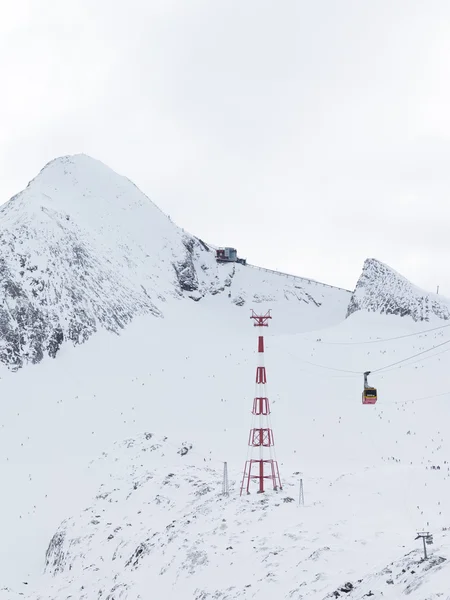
(382, 290)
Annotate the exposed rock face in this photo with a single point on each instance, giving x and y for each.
(185, 268)
(382, 290)
(55, 555)
(64, 290)
(81, 249)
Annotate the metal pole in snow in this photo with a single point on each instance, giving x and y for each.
(225, 486)
(425, 535)
(301, 497)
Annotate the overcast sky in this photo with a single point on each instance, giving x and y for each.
(309, 134)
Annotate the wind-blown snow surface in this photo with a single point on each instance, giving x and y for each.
(82, 249)
(367, 471)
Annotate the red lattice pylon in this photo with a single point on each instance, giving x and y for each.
(265, 467)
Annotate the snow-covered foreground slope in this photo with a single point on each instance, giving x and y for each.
(82, 249)
(159, 518)
(381, 289)
(367, 471)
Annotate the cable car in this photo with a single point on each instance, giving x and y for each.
(369, 395)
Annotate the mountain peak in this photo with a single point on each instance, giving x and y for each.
(383, 290)
(79, 177)
(70, 165)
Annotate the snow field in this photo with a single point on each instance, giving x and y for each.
(190, 377)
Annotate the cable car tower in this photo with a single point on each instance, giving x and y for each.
(265, 467)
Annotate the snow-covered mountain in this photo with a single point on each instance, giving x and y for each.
(148, 518)
(83, 249)
(381, 289)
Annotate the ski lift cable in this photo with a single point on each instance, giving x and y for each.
(379, 340)
(324, 366)
(321, 375)
(418, 399)
(418, 361)
(332, 368)
(386, 368)
(398, 362)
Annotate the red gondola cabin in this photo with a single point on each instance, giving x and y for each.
(369, 395)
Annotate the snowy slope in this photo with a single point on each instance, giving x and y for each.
(83, 249)
(411, 576)
(367, 471)
(159, 519)
(383, 290)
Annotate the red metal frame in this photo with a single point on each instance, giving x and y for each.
(260, 343)
(261, 437)
(260, 320)
(273, 475)
(261, 376)
(261, 406)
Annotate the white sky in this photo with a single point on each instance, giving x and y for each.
(308, 134)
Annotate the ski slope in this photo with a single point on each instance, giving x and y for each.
(367, 470)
